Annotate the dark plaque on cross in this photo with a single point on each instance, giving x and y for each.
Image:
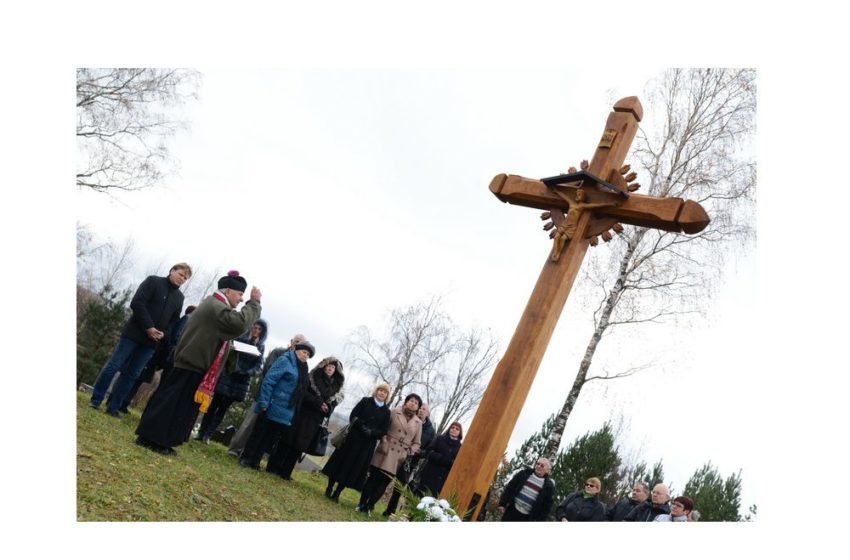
(582, 206)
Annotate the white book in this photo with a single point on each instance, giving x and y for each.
(245, 348)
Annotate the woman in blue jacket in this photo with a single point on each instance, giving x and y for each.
(277, 402)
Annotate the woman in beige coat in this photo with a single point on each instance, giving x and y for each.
(401, 441)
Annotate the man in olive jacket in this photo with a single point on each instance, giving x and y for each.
(171, 413)
(156, 307)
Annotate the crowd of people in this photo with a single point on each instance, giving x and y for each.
(209, 357)
(529, 496)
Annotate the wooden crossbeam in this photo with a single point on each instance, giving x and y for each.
(488, 435)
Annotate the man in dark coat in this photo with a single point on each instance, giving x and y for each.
(156, 306)
(170, 415)
(529, 494)
(657, 505)
(237, 442)
(234, 381)
(410, 469)
(163, 359)
(640, 493)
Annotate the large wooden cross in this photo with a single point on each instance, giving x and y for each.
(606, 200)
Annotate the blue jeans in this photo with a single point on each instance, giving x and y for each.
(130, 357)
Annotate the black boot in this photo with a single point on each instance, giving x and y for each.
(337, 492)
(329, 490)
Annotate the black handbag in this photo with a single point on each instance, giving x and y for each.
(319, 444)
(338, 439)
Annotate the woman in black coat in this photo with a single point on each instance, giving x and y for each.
(348, 465)
(440, 455)
(323, 393)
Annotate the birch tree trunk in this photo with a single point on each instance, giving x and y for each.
(694, 143)
(554, 442)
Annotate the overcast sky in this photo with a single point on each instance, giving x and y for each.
(343, 194)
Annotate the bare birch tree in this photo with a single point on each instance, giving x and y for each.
(124, 118)
(459, 392)
(698, 148)
(411, 353)
(102, 265)
(423, 351)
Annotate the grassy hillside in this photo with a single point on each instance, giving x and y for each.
(119, 481)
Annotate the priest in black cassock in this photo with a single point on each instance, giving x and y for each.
(171, 413)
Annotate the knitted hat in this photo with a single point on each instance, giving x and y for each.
(232, 281)
(413, 396)
(306, 346)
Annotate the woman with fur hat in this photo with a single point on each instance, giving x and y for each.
(440, 456)
(369, 421)
(323, 393)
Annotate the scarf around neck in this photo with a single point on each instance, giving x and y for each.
(204, 393)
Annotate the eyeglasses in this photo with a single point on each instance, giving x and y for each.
(588, 485)
(676, 504)
(540, 465)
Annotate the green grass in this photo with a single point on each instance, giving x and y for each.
(118, 480)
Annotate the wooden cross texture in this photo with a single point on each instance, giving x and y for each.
(606, 201)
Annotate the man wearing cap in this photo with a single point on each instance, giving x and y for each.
(170, 415)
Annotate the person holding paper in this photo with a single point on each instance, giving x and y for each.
(243, 362)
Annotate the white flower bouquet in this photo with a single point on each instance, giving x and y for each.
(433, 509)
(429, 508)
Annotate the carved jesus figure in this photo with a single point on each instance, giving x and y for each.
(567, 228)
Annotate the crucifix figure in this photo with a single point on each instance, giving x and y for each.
(568, 226)
(582, 205)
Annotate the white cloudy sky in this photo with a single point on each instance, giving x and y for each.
(345, 193)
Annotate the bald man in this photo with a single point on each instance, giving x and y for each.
(657, 505)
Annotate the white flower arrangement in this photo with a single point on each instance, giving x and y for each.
(432, 509)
